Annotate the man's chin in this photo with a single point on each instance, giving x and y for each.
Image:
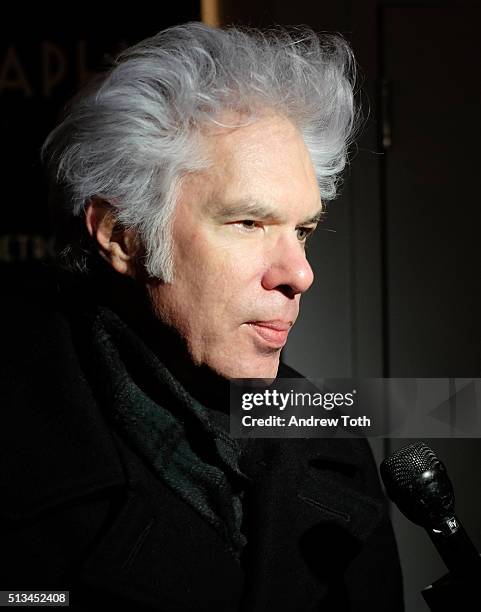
(265, 370)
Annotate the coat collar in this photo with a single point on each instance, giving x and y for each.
(306, 519)
(160, 552)
(309, 515)
(61, 449)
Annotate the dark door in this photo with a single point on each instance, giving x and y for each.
(432, 233)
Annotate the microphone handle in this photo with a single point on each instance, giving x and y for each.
(454, 545)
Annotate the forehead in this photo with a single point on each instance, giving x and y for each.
(264, 160)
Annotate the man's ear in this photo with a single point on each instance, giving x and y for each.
(115, 244)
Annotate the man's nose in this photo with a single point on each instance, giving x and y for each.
(288, 269)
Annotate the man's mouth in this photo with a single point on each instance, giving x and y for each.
(274, 333)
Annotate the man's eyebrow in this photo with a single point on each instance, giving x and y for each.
(246, 208)
(258, 210)
(316, 218)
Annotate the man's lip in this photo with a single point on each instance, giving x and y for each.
(276, 324)
(273, 333)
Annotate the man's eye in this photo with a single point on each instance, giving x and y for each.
(248, 223)
(303, 233)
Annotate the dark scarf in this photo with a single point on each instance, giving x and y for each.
(174, 433)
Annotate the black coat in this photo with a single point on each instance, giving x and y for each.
(80, 511)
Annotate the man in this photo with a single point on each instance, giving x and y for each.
(188, 180)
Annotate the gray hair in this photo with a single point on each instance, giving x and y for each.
(133, 135)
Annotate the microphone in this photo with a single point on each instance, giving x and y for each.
(418, 483)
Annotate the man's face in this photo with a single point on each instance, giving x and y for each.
(239, 235)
